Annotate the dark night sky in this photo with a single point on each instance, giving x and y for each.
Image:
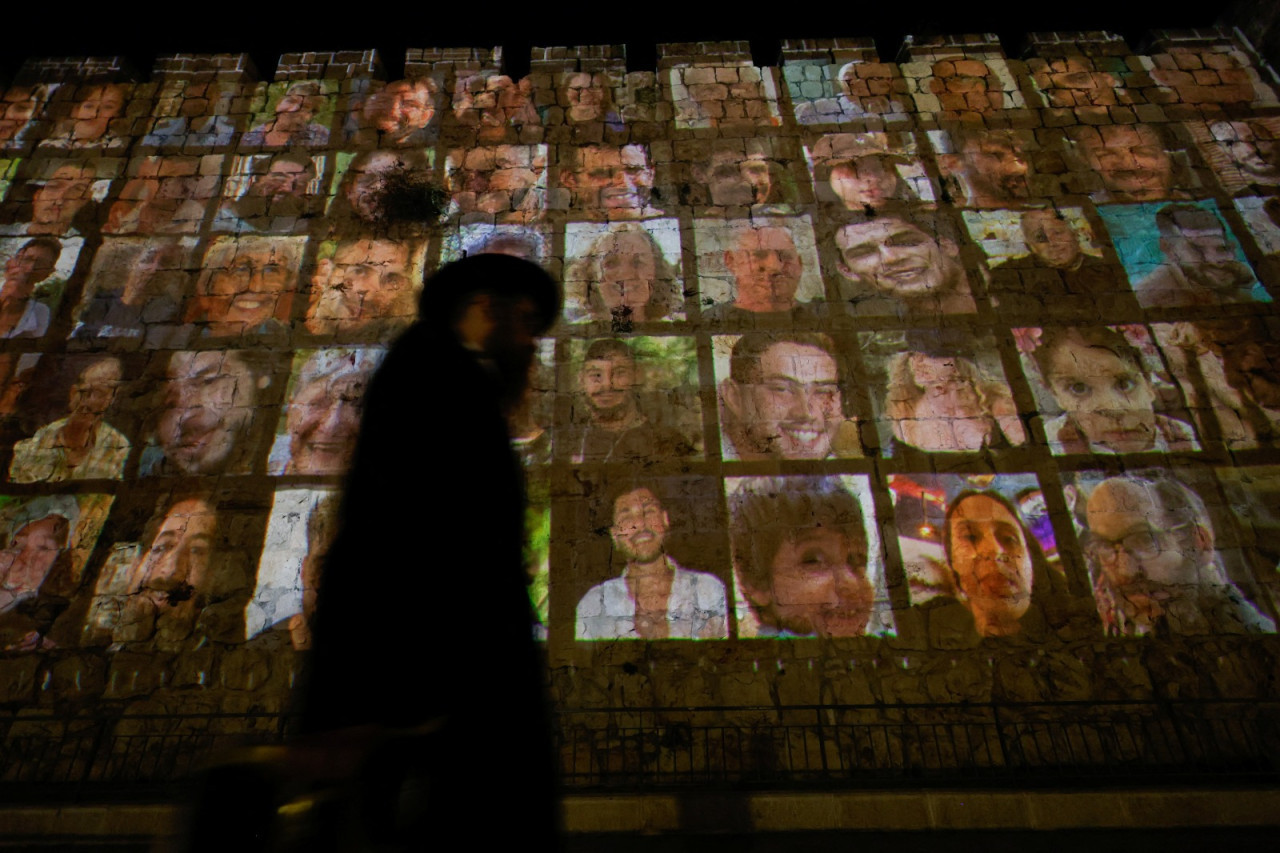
(151, 28)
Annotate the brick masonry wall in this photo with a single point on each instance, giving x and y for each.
(949, 378)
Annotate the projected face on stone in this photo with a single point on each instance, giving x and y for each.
(1151, 547)
(996, 165)
(21, 313)
(292, 122)
(867, 181)
(936, 403)
(136, 289)
(1253, 147)
(896, 258)
(800, 551)
(616, 180)
(150, 204)
(365, 182)
(177, 561)
(766, 269)
(1051, 239)
(623, 277)
(507, 181)
(206, 413)
(735, 177)
(1202, 265)
(246, 285)
(38, 540)
(63, 195)
(323, 415)
(402, 108)
(1133, 161)
(989, 554)
(1105, 391)
(91, 114)
(609, 378)
(81, 445)
(365, 283)
(18, 106)
(782, 398)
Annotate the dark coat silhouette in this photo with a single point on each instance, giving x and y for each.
(423, 608)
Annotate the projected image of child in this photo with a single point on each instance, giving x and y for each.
(656, 598)
(1106, 385)
(95, 119)
(802, 557)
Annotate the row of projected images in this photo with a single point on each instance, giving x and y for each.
(685, 558)
(1168, 387)
(284, 192)
(191, 114)
(627, 276)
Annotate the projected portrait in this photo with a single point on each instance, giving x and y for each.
(613, 182)
(176, 578)
(863, 171)
(299, 532)
(325, 398)
(193, 115)
(46, 543)
(654, 597)
(1126, 163)
(900, 264)
(272, 193)
(501, 183)
(293, 115)
(758, 271)
(495, 107)
(806, 557)
(831, 94)
(623, 274)
(364, 288)
(82, 440)
(136, 289)
(760, 173)
(1182, 254)
(1262, 222)
(940, 391)
(997, 168)
(633, 400)
(586, 98)
(1244, 154)
(35, 273)
(245, 287)
(1229, 371)
(399, 114)
(92, 117)
(1048, 259)
(1253, 505)
(782, 395)
(1103, 389)
(20, 109)
(17, 372)
(367, 185)
(60, 198)
(205, 412)
(964, 89)
(164, 195)
(732, 96)
(978, 544)
(1151, 547)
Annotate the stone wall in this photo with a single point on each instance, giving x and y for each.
(944, 379)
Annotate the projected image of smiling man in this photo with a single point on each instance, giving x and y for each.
(782, 398)
(895, 258)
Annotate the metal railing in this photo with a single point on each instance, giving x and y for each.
(777, 747)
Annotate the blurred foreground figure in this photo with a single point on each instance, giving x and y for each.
(423, 618)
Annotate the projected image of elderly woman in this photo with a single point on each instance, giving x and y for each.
(991, 560)
(324, 413)
(938, 400)
(1106, 393)
(627, 278)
